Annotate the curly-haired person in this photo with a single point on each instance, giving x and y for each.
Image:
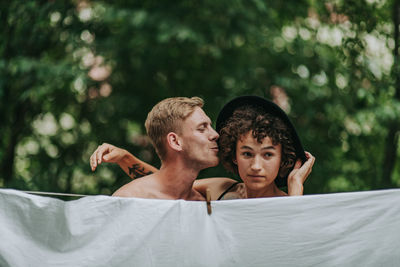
(259, 143)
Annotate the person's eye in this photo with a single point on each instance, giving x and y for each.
(202, 128)
(268, 155)
(246, 154)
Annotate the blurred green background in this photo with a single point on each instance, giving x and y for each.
(75, 74)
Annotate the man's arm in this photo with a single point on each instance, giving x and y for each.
(131, 165)
(299, 175)
(137, 168)
(217, 186)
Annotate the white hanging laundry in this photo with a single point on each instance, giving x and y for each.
(344, 229)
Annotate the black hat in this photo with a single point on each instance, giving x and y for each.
(269, 107)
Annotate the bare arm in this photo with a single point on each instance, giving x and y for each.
(131, 165)
(299, 175)
(137, 168)
(217, 186)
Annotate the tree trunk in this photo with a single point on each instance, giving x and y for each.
(7, 166)
(392, 139)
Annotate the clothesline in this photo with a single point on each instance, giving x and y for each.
(208, 196)
(55, 194)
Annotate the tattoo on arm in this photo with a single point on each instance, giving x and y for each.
(137, 171)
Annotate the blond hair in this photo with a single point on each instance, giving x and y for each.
(166, 116)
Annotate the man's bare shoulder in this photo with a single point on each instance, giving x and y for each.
(135, 188)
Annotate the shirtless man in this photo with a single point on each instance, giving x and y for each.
(185, 142)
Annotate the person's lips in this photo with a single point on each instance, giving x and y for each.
(255, 176)
(215, 148)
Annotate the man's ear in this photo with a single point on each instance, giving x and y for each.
(174, 141)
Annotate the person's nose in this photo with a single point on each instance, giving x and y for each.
(214, 135)
(256, 164)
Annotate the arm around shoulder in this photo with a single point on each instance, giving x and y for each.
(131, 165)
(217, 186)
(135, 167)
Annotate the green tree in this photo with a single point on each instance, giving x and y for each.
(74, 74)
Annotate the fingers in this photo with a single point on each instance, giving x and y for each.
(104, 148)
(93, 160)
(93, 165)
(307, 166)
(309, 156)
(111, 155)
(96, 157)
(298, 164)
(301, 172)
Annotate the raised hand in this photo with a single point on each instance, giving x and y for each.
(107, 153)
(299, 175)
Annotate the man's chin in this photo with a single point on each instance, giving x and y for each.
(204, 163)
(214, 163)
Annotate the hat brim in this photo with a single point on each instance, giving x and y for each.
(269, 107)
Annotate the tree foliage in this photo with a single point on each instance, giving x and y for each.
(74, 74)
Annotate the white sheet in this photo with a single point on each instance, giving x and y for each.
(346, 229)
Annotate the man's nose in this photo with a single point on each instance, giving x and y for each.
(214, 134)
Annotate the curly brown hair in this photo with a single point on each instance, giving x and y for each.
(261, 125)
